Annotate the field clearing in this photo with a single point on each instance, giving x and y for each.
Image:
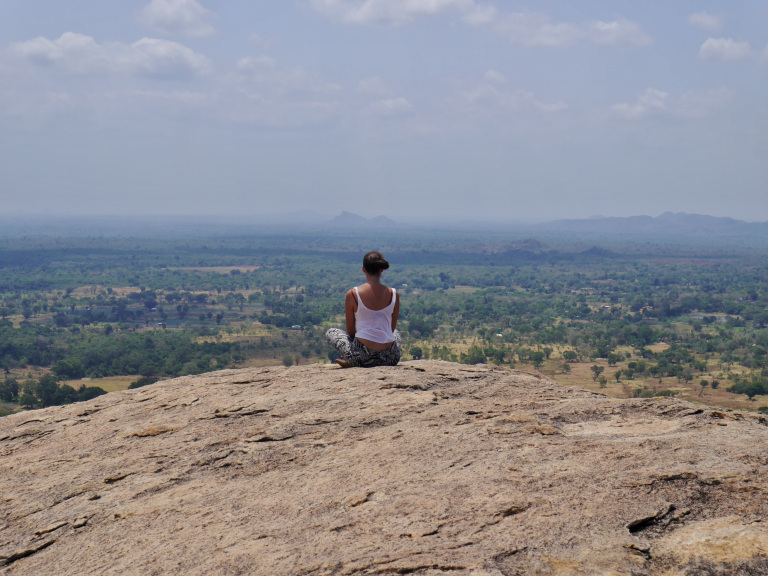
(95, 289)
(216, 269)
(580, 376)
(462, 290)
(7, 408)
(248, 331)
(267, 362)
(658, 347)
(109, 384)
(125, 290)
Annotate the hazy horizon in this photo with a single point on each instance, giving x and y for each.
(420, 110)
(301, 216)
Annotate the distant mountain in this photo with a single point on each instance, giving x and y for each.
(350, 220)
(667, 224)
(382, 221)
(598, 252)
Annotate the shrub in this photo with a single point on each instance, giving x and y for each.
(89, 393)
(9, 390)
(143, 381)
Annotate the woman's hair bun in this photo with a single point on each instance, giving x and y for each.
(374, 263)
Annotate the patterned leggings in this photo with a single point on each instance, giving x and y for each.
(358, 355)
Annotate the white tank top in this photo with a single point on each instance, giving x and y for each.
(374, 325)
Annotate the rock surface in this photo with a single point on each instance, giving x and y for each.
(427, 468)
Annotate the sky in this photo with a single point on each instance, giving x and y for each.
(414, 109)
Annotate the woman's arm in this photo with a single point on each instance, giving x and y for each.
(350, 305)
(396, 311)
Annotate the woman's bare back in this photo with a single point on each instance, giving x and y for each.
(375, 298)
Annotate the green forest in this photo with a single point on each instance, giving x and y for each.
(632, 316)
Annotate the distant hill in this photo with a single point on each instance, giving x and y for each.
(667, 224)
(350, 220)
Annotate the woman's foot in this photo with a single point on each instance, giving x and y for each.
(343, 362)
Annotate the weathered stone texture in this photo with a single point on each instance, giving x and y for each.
(427, 468)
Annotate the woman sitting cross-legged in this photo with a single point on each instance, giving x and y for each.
(371, 311)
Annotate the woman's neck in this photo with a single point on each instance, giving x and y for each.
(373, 280)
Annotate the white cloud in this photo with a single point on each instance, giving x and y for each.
(257, 91)
(495, 77)
(163, 58)
(550, 108)
(704, 20)
(490, 96)
(481, 15)
(387, 11)
(617, 32)
(537, 29)
(487, 95)
(690, 105)
(525, 28)
(373, 86)
(79, 54)
(250, 65)
(650, 101)
(178, 17)
(391, 107)
(724, 49)
(261, 41)
(532, 29)
(264, 93)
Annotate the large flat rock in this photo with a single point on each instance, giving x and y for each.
(427, 468)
